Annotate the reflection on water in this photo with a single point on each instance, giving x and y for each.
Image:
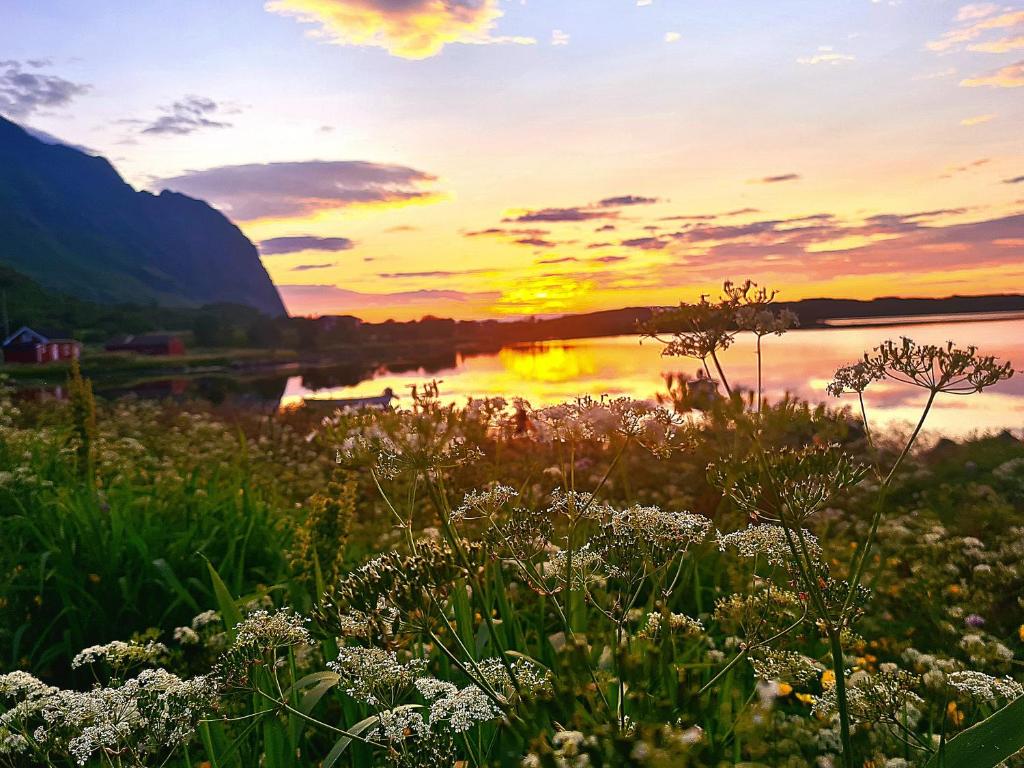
(801, 363)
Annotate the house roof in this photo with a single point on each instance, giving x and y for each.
(41, 335)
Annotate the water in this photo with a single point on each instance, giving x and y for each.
(801, 363)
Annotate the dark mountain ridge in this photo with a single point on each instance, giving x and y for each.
(69, 221)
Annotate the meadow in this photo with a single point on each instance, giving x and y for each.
(709, 580)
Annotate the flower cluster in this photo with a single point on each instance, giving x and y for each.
(259, 635)
(375, 676)
(788, 485)
(784, 666)
(142, 719)
(982, 687)
(673, 623)
(936, 368)
(119, 655)
(769, 542)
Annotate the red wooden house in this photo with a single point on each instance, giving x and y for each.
(147, 344)
(27, 345)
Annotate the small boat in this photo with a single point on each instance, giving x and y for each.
(332, 404)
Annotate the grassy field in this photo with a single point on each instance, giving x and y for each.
(596, 584)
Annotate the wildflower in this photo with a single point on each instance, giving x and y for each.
(884, 697)
(982, 687)
(788, 486)
(974, 621)
(260, 634)
(767, 541)
(532, 680)
(186, 636)
(677, 623)
(459, 709)
(485, 503)
(770, 664)
(944, 368)
(375, 676)
(120, 655)
(398, 724)
(149, 716)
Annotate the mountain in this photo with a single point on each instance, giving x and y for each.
(69, 221)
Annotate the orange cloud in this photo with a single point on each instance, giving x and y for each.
(1010, 76)
(410, 29)
(957, 37)
(1003, 45)
(977, 119)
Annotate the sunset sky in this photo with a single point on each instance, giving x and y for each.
(501, 158)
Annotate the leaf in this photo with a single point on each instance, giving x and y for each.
(985, 744)
(318, 684)
(228, 608)
(172, 580)
(356, 730)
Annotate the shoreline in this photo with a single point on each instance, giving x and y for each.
(242, 362)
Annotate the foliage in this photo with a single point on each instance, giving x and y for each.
(604, 582)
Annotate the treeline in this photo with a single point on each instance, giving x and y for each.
(24, 302)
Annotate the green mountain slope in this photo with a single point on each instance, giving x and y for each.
(70, 222)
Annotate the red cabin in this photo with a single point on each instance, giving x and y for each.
(148, 344)
(26, 345)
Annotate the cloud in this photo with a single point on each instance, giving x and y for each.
(307, 267)
(561, 215)
(672, 37)
(410, 29)
(975, 11)
(298, 243)
(624, 200)
(186, 116)
(536, 242)
(977, 119)
(558, 37)
(1002, 45)
(825, 247)
(261, 190)
(981, 21)
(23, 93)
(951, 170)
(609, 259)
(825, 55)
(1010, 76)
(645, 243)
(606, 208)
(776, 179)
(1014, 180)
(435, 273)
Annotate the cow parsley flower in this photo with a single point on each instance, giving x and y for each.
(767, 541)
(120, 655)
(982, 687)
(375, 676)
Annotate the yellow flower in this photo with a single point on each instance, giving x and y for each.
(828, 677)
(805, 698)
(955, 716)
(1020, 632)
(784, 689)
(954, 589)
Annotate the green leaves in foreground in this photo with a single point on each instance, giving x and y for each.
(986, 744)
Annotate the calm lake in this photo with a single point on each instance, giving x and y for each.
(801, 362)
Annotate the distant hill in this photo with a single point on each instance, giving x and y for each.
(811, 312)
(70, 222)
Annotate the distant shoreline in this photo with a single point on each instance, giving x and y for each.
(949, 317)
(248, 362)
